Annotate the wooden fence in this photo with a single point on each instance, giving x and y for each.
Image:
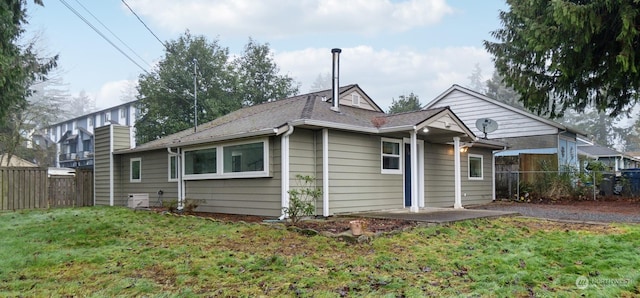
(32, 188)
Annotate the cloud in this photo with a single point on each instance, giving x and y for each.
(286, 18)
(386, 74)
(114, 93)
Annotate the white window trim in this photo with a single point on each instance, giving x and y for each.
(169, 179)
(400, 155)
(131, 161)
(481, 167)
(220, 174)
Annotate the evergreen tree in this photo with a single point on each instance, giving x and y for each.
(259, 80)
(20, 67)
(569, 54)
(408, 103)
(166, 96)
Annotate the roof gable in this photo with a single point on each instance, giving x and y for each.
(354, 96)
(512, 122)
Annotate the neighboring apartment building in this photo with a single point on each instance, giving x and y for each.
(74, 139)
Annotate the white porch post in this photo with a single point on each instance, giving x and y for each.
(457, 183)
(325, 172)
(414, 172)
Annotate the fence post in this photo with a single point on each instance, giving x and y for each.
(593, 175)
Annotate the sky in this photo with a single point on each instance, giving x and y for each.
(389, 47)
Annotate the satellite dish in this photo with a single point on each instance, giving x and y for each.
(486, 125)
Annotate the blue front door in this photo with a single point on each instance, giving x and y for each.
(407, 175)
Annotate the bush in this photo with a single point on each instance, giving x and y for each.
(302, 199)
(190, 205)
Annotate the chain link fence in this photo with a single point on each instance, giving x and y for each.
(559, 185)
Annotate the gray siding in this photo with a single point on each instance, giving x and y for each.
(101, 165)
(318, 173)
(355, 181)
(439, 177)
(302, 154)
(155, 177)
(303, 159)
(546, 141)
(510, 124)
(102, 168)
(476, 192)
(120, 141)
(255, 196)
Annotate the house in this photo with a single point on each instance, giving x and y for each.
(247, 161)
(14, 161)
(73, 139)
(529, 137)
(614, 160)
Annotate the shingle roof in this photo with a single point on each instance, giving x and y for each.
(597, 150)
(265, 118)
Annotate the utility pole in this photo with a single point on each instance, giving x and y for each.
(195, 95)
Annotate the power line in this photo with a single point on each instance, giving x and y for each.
(116, 36)
(145, 25)
(102, 35)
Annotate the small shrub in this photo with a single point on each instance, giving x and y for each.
(171, 205)
(302, 199)
(190, 205)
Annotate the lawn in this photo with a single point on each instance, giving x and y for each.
(112, 251)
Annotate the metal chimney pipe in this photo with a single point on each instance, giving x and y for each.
(335, 83)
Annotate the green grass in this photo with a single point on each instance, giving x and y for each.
(108, 251)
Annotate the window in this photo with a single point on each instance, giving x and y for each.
(475, 167)
(135, 165)
(355, 99)
(244, 158)
(173, 168)
(234, 160)
(201, 161)
(123, 113)
(391, 153)
(90, 121)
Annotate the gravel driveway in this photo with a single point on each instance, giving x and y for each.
(581, 211)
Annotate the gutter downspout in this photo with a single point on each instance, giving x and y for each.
(284, 170)
(457, 182)
(180, 180)
(325, 172)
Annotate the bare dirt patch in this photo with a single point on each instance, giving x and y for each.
(334, 225)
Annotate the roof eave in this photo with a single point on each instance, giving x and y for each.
(328, 124)
(257, 133)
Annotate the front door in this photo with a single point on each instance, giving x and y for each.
(407, 175)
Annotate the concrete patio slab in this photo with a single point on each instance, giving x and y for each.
(435, 215)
